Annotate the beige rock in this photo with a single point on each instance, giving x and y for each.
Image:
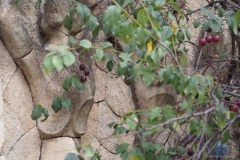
(28, 147)
(154, 95)
(57, 148)
(2, 158)
(104, 133)
(7, 66)
(100, 82)
(92, 125)
(118, 95)
(12, 32)
(1, 120)
(17, 110)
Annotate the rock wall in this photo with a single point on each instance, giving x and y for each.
(27, 33)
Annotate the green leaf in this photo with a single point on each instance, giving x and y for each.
(219, 93)
(72, 40)
(47, 64)
(188, 35)
(135, 154)
(96, 32)
(66, 103)
(119, 130)
(37, 112)
(68, 22)
(220, 11)
(68, 58)
(83, 10)
(225, 137)
(131, 121)
(91, 23)
(147, 146)
(195, 126)
(121, 148)
(71, 156)
(61, 48)
(206, 24)
(125, 57)
(99, 54)
(120, 70)
(196, 24)
(56, 104)
(236, 22)
(106, 45)
(216, 26)
(159, 2)
(57, 62)
(77, 83)
(166, 32)
(110, 65)
(85, 44)
(180, 36)
(155, 112)
(148, 76)
(67, 83)
(204, 10)
(16, 1)
(142, 17)
(46, 115)
(88, 151)
(72, 12)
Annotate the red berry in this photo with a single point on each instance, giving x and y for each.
(208, 38)
(216, 38)
(83, 78)
(82, 67)
(190, 152)
(209, 29)
(238, 102)
(86, 72)
(202, 42)
(234, 108)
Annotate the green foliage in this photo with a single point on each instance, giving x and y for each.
(150, 36)
(71, 156)
(37, 112)
(58, 103)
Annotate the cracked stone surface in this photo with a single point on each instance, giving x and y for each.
(18, 106)
(1, 120)
(104, 132)
(29, 143)
(7, 66)
(118, 95)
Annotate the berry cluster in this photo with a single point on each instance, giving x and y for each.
(86, 72)
(235, 107)
(208, 39)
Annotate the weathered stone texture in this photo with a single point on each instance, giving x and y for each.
(17, 110)
(1, 120)
(57, 148)
(7, 66)
(26, 148)
(104, 133)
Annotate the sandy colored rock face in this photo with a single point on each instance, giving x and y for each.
(25, 83)
(57, 148)
(1, 119)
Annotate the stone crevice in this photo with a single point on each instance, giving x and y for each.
(10, 79)
(109, 106)
(40, 155)
(18, 141)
